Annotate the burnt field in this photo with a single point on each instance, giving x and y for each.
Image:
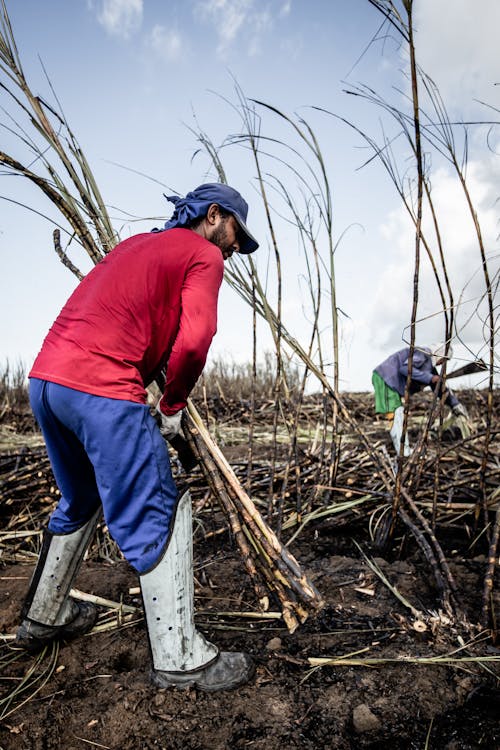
(395, 658)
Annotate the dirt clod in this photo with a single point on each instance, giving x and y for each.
(364, 720)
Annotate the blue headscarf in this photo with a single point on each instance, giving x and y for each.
(196, 204)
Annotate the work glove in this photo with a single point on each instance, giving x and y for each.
(460, 411)
(169, 424)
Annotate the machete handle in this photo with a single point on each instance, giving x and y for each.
(185, 452)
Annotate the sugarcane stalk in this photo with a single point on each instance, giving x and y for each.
(278, 581)
(437, 547)
(219, 491)
(431, 559)
(247, 506)
(279, 569)
(63, 257)
(252, 566)
(283, 559)
(268, 555)
(490, 573)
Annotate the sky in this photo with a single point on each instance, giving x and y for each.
(138, 79)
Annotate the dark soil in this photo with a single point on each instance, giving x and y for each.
(98, 694)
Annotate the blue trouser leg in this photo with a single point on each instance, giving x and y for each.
(110, 451)
(73, 471)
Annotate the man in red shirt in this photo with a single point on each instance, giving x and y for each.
(149, 306)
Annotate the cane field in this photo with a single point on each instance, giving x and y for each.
(365, 584)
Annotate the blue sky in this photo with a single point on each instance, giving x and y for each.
(133, 76)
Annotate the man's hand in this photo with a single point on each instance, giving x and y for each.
(460, 411)
(170, 425)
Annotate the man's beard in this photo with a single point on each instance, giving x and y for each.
(219, 238)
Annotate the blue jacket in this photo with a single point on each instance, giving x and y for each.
(394, 371)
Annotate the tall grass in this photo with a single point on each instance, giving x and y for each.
(13, 388)
(228, 380)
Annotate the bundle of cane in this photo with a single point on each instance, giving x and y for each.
(272, 568)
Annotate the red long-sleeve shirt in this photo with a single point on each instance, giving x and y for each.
(151, 301)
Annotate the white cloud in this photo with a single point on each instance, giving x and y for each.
(120, 17)
(261, 22)
(393, 297)
(166, 43)
(228, 17)
(242, 22)
(285, 8)
(457, 45)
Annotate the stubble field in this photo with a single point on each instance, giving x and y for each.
(402, 672)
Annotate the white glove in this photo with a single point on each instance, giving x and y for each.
(459, 410)
(170, 425)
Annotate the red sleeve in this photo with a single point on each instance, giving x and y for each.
(197, 327)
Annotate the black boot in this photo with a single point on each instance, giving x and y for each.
(49, 613)
(33, 636)
(228, 671)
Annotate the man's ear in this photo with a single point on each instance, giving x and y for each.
(213, 213)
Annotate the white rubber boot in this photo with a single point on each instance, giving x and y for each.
(182, 657)
(397, 433)
(48, 612)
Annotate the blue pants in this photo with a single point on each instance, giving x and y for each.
(107, 451)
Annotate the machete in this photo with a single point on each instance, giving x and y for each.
(469, 369)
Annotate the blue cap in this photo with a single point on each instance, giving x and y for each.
(195, 205)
